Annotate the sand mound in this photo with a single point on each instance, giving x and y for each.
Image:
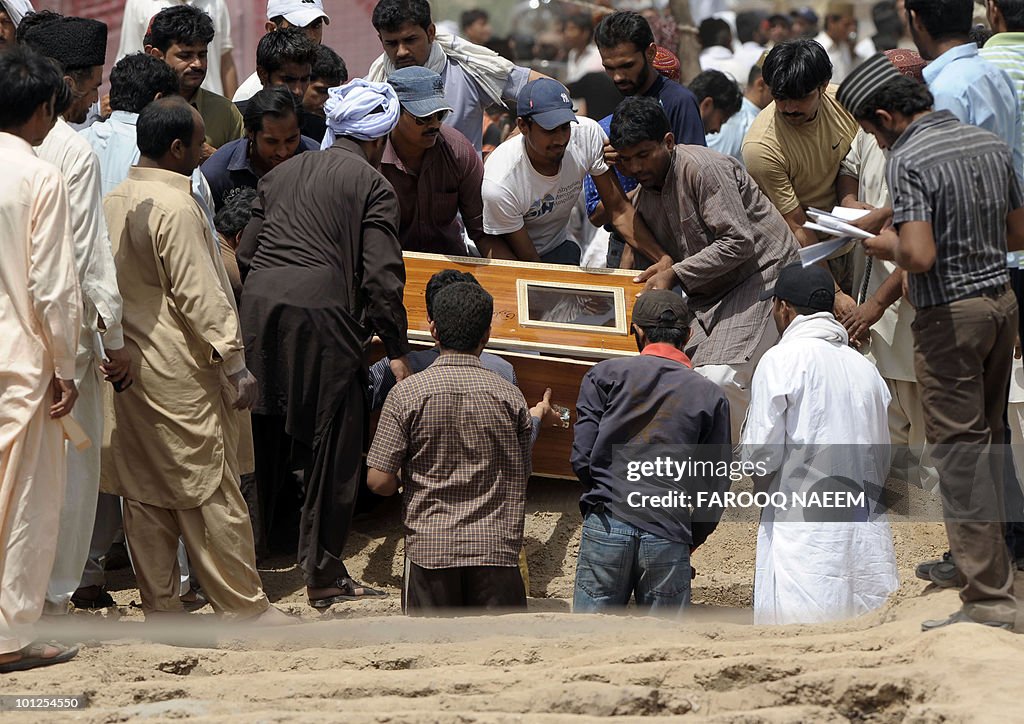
(364, 662)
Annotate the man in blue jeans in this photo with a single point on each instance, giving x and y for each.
(633, 415)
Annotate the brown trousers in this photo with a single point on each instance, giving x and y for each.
(962, 357)
(218, 538)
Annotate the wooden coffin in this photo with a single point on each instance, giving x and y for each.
(551, 322)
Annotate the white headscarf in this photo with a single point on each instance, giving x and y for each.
(349, 110)
(17, 9)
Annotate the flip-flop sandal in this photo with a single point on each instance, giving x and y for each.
(347, 584)
(32, 657)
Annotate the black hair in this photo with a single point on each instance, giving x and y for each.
(1013, 14)
(33, 20)
(472, 16)
(444, 278)
(755, 73)
(900, 95)
(804, 311)
(276, 102)
(747, 24)
(287, 45)
(163, 122)
(462, 316)
(27, 81)
(136, 79)
(943, 18)
(667, 335)
(329, 67)
(584, 21)
(796, 68)
(235, 211)
(625, 26)
(714, 31)
(979, 34)
(179, 25)
(725, 95)
(638, 119)
(390, 15)
(777, 19)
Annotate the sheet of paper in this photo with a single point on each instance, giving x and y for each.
(848, 214)
(822, 250)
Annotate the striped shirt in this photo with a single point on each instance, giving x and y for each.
(461, 437)
(1006, 50)
(961, 179)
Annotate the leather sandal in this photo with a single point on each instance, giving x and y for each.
(351, 591)
(32, 657)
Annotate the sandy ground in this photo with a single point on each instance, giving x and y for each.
(365, 662)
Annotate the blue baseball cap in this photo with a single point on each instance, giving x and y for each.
(545, 102)
(419, 90)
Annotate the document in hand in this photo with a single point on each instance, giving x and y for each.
(833, 224)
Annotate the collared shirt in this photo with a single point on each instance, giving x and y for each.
(1006, 50)
(980, 93)
(468, 99)
(115, 142)
(70, 153)
(382, 379)
(182, 325)
(138, 14)
(460, 435)
(962, 180)
(447, 185)
(230, 167)
(654, 399)
(683, 113)
(223, 121)
(38, 283)
(729, 141)
(796, 166)
(728, 243)
(844, 60)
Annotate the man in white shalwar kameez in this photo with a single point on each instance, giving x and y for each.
(818, 404)
(79, 46)
(40, 311)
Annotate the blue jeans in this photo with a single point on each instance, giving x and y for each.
(617, 560)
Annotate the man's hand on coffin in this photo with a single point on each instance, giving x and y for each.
(247, 389)
(545, 411)
(400, 368)
(659, 275)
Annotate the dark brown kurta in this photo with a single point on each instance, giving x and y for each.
(729, 243)
(323, 272)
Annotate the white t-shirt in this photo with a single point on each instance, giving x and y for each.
(516, 195)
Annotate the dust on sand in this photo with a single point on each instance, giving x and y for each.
(365, 662)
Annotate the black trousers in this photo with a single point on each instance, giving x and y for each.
(331, 472)
(434, 590)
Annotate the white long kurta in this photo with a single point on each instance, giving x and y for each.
(813, 390)
(97, 276)
(40, 312)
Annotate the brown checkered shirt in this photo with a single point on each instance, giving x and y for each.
(461, 437)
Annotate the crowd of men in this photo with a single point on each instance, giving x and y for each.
(222, 265)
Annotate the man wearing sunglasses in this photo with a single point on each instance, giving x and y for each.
(434, 169)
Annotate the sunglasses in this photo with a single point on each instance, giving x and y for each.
(424, 120)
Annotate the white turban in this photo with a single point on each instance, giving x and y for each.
(17, 9)
(350, 111)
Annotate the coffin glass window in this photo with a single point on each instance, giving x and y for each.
(572, 306)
